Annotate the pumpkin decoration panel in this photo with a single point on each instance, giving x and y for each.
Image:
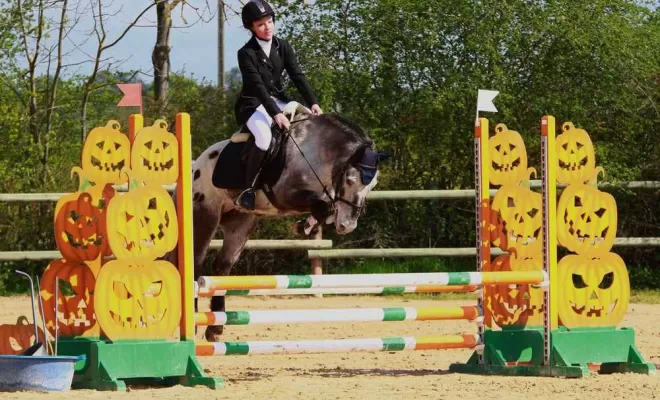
(575, 156)
(15, 338)
(516, 221)
(80, 224)
(508, 157)
(515, 304)
(105, 154)
(596, 291)
(142, 224)
(75, 303)
(154, 155)
(138, 301)
(587, 220)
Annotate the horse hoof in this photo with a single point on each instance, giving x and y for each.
(214, 333)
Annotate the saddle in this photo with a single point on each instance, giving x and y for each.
(229, 171)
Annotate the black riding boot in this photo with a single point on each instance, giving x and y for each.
(252, 169)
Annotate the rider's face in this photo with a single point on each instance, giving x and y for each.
(264, 28)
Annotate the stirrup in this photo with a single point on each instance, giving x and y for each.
(247, 199)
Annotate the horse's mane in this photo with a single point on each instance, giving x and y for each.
(354, 133)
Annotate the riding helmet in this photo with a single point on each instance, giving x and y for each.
(254, 10)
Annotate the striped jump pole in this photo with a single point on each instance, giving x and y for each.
(384, 290)
(338, 345)
(211, 283)
(337, 315)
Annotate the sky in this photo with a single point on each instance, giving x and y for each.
(194, 46)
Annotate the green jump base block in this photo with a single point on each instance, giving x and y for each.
(518, 352)
(110, 366)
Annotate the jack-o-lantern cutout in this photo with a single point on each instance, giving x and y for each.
(80, 224)
(508, 157)
(515, 304)
(516, 221)
(575, 156)
(105, 154)
(142, 224)
(595, 291)
(155, 155)
(75, 302)
(14, 339)
(138, 301)
(587, 220)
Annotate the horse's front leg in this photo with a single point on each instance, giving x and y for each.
(236, 227)
(321, 213)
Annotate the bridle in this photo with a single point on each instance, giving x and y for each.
(337, 186)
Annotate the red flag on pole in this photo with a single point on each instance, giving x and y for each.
(132, 95)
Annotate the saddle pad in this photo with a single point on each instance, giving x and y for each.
(229, 171)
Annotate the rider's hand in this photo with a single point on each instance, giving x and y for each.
(316, 110)
(282, 121)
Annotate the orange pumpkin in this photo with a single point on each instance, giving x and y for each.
(575, 156)
(516, 221)
(138, 301)
(75, 302)
(595, 291)
(142, 224)
(80, 224)
(14, 339)
(515, 304)
(587, 220)
(105, 154)
(155, 155)
(508, 157)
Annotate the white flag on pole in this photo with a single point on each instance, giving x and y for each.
(485, 100)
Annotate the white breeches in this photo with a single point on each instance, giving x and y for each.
(259, 124)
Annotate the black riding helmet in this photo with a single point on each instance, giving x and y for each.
(254, 10)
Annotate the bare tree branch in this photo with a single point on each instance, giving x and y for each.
(130, 25)
(24, 34)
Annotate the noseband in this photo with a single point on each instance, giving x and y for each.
(338, 198)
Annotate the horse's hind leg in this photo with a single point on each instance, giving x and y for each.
(236, 227)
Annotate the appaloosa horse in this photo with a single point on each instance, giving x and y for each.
(327, 166)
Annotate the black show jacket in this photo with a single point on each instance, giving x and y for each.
(262, 78)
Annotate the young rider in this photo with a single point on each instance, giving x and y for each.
(262, 60)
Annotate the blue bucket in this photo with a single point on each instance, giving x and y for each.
(37, 373)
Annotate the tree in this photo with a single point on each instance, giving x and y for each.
(160, 56)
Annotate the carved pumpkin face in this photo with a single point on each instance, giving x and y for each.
(516, 221)
(575, 156)
(596, 291)
(154, 155)
(138, 301)
(80, 224)
(105, 153)
(515, 304)
(142, 224)
(14, 339)
(75, 303)
(587, 220)
(508, 157)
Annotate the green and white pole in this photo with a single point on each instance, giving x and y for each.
(470, 313)
(338, 345)
(211, 283)
(383, 290)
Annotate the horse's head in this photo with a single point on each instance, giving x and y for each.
(356, 180)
